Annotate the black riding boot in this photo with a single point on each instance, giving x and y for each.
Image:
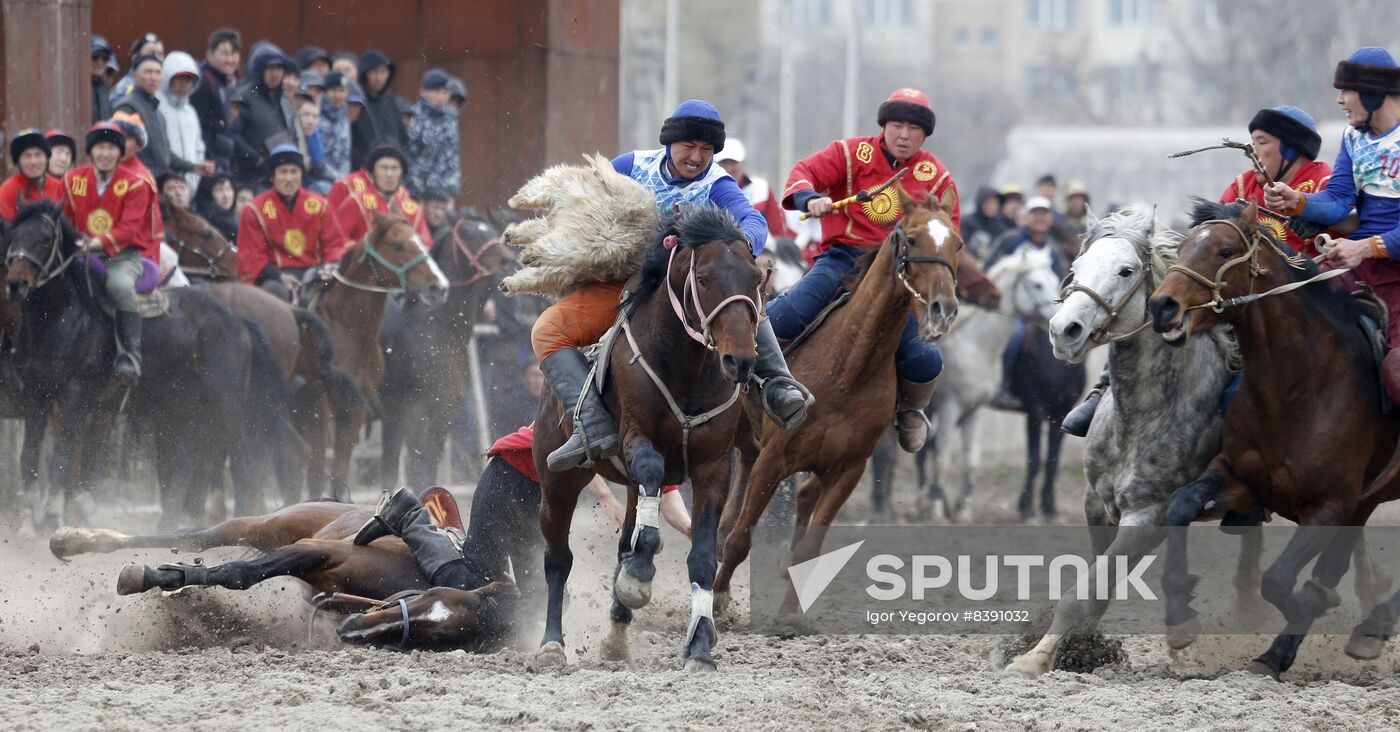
(399, 513)
(1078, 420)
(595, 433)
(128, 363)
(911, 398)
(783, 398)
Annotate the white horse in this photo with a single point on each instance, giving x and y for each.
(972, 362)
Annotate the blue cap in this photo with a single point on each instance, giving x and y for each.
(435, 79)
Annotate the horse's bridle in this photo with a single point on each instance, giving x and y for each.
(1217, 303)
(902, 260)
(374, 257)
(461, 249)
(56, 262)
(211, 268)
(1101, 334)
(690, 294)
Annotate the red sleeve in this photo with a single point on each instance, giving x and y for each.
(423, 230)
(333, 242)
(134, 228)
(254, 252)
(69, 211)
(818, 172)
(1232, 192)
(777, 222)
(349, 219)
(9, 197)
(339, 190)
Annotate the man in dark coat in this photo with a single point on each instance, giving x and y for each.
(380, 121)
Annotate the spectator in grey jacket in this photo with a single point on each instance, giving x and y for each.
(142, 101)
(186, 141)
(104, 67)
(433, 139)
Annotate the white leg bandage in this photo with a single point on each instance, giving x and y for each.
(702, 605)
(648, 514)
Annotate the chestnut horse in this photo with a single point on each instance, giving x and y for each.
(674, 376)
(848, 363)
(390, 259)
(1305, 437)
(427, 363)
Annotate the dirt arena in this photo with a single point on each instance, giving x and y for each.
(75, 656)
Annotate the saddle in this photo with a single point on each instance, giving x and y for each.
(442, 508)
(151, 302)
(1375, 318)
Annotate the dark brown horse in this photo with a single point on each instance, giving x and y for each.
(391, 259)
(848, 363)
(204, 253)
(691, 347)
(309, 541)
(427, 363)
(1305, 437)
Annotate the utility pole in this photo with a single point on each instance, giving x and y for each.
(850, 94)
(671, 86)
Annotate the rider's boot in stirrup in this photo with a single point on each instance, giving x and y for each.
(783, 398)
(595, 433)
(909, 418)
(1078, 420)
(128, 363)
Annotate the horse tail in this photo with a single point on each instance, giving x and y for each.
(266, 410)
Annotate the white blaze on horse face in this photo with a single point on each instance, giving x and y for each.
(1099, 268)
(437, 613)
(938, 232)
(432, 263)
(1036, 289)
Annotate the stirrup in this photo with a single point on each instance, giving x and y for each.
(797, 419)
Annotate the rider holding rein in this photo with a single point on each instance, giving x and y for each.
(30, 153)
(681, 173)
(840, 170)
(286, 230)
(113, 206)
(387, 166)
(1367, 176)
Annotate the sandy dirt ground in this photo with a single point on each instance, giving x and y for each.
(74, 656)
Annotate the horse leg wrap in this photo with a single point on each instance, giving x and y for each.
(702, 605)
(648, 515)
(191, 574)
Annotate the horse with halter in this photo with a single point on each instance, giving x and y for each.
(427, 362)
(300, 339)
(1308, 363)
(390, 259)
(206, 372)
(675, 367)
(848, 363)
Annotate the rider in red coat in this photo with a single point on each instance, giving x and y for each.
(286, 230)
(1286, 140)
(355, 213)
(356, 182)
(29, 152)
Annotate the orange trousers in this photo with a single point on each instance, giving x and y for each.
(578, 320)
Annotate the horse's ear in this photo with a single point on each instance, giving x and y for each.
(906, 201)
(1250, 215)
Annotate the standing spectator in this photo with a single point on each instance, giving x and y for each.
(242, 198)
(1047, 187)
(381, 121)
(432, 140)
(314, 58)
(986, 224)
(291, 80)
(147, 45)
(334, 128)
(182, 129)
(214, 201)
(29, 153)
(63, 150)
(458, 90)
(347, 63)
(316, 179)
(1013, 201)
(313, 86)
(104, 66)
(437, 212)
(173, 188)
(264, 120)
(1076, 218)
(757, 190)
(142, 101)
(213, 98)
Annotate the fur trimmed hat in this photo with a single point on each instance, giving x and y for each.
(105, 131)
(694, 120)
(1295, 129)
(907, 105)
(285, 154)
(386, 150)
(26, 139)
(1372, 72)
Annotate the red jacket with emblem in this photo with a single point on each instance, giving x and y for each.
(1310, 178)
(845, 167)
(356, 213)
(304, 237)
(123, 215)
(17, 190)
(356, 182)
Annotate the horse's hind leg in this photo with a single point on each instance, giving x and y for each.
(881, 479)
(288, 561)
(637, 565)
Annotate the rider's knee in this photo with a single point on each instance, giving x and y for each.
(548, 335)
(921, 366)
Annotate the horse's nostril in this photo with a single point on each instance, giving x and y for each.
(1073, 331)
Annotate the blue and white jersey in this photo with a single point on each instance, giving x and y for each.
(1375, 162)
(714, 186)
(1373, 187)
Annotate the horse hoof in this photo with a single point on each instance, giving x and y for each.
(615, 647)
(1365, 647)
(699, 665)
(1026, 667)
(63, 543)
(132, 580)
(633, 593)
(1184, 634)
(722, 600)
(1259, 668)
(549, 656)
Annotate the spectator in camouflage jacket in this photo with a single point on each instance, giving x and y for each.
(432, 140)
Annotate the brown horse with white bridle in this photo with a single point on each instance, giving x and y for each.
(848, 363)
(674, 376)
(1305, 437)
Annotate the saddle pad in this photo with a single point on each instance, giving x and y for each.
(97, 265)
(838, 301)
(442, 508)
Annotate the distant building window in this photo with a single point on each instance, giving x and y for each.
(1132, 13)
(962, 35)
(1051, 15)
(990, 35)
(1049, 82)
(885, 12)
(811, 13)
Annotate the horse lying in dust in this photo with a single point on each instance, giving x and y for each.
(311, 542)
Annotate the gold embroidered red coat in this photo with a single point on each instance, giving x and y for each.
(356, 213)
(269, 233)
(122, 215)
(1310, 178)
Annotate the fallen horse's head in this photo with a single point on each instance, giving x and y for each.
(441, 618)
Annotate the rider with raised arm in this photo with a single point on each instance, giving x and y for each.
(838, 171)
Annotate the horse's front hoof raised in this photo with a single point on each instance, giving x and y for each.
(630, 591)
(549, 656)
(1365, 647)
(1259, 668)
(1182, 635)
(132, 580)
(700, 665)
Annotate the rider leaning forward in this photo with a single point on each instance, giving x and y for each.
(681, 173)
(286, 230)
(840, 170)
(1366, 176)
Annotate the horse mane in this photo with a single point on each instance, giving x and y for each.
(52, 210)
(1334, 303)
(693, 226)
(1154, 243)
